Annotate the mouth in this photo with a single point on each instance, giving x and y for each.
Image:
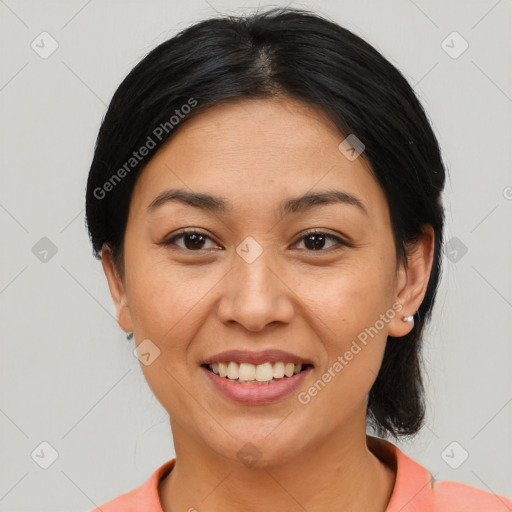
(267, 373)
(256, 378)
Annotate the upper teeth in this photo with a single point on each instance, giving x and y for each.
(248, 372)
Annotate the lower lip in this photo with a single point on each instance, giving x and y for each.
(257, 394)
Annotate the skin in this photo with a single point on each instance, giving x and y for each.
(195, 303)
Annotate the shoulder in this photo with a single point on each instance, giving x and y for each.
(450, 496)
(144, 497)
(416, 490)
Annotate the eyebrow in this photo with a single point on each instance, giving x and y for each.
(289, 206)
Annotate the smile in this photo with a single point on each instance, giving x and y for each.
(246, 373)
(251, 391)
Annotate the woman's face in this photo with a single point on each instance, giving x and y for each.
(252, 280)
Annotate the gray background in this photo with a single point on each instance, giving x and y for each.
(68, 375)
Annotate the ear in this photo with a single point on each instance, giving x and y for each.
(412, 280)
(117, 289)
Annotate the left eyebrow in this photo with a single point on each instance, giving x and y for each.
(327, 197)
(289, 206)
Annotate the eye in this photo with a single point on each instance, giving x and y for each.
(315, 240)
(193, 240)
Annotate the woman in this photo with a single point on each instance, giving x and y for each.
(265, 198)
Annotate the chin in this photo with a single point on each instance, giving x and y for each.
(258, 449)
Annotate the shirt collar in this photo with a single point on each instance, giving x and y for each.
(412, 489)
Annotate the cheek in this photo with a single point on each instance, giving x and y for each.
(344, 307)
(348, 297)
(165, 305)
(163, 293)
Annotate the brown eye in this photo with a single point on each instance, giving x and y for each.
(316, 240)
(192, 240)
(195, 241)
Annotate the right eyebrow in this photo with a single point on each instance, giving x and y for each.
(195, 199)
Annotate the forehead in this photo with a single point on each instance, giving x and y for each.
(258, 150)
(258, 130)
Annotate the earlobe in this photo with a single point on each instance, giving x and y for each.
(117, 289)
(412, 281)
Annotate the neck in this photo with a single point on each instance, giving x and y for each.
(340, 474)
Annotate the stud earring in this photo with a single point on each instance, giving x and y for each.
(408, 319)
(129, 335)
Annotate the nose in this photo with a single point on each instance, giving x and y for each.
(256, 294)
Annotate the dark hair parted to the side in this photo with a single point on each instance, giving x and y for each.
(298, 54)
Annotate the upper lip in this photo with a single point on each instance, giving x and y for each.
(264, 356)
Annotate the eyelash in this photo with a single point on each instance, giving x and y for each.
(342, 243)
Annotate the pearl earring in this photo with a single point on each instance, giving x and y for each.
(408, 319)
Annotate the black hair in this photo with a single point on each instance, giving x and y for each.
(301, 55)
